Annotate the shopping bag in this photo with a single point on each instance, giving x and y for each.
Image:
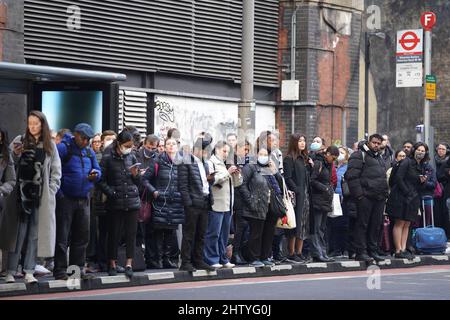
(288, 221)
(337, 209)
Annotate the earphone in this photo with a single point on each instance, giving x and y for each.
(165, 191)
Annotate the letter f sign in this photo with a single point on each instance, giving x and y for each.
(428, 20)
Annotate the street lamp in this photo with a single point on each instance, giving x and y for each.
(367, 36)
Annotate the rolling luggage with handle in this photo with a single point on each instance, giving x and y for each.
(429, 239)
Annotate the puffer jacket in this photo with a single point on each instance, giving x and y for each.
(117, 182)
(254, 192)
(167, 211)
(190, 184)
(321, 185)
(366, 176)
(74, 180)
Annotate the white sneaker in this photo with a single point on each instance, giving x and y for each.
(39, 269)
(229, 265)
(217, 266)
(29, 278)
(10, 278)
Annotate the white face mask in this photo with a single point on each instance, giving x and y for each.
(125, 151)
(315, 146)
(341, 157)
(108, 143)
(263, 160)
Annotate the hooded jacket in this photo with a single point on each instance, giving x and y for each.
(366, 174)
(75, 172)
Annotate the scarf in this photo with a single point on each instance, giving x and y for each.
(273, 183)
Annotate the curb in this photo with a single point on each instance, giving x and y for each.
(163, 277)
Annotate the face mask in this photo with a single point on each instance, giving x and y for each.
(315, 146)
(108, 143)
(420, 155)
(341, 157)
(125, 151)
(263, 160)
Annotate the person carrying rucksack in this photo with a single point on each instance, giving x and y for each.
(366, 178)
(80, 170)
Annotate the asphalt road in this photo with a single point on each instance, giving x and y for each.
(428, 282)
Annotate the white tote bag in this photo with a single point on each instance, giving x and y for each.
(287, 222)
(337, 209)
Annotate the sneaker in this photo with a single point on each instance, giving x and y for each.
(129, 271)
(217, 266)
(120, 269)
(229, 265)
(268, 263)
(203, 266)
(41, 270)
(295, 259)
(29, 278)
(257, 264)
(10, 278)
(401, 255)
(409, 255)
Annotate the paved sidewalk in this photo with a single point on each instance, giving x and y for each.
(47, 284)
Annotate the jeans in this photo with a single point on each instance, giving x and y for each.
(28, 229)
(318, 241)
(72, 229)
(216, 239)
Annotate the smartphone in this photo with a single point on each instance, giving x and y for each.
(135, 165)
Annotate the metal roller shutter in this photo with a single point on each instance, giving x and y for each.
(133, 110)
(199, 37)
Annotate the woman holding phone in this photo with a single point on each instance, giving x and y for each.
(29, 216)
(120, 181)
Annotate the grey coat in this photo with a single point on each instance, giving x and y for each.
(7, 181)
(9, 225)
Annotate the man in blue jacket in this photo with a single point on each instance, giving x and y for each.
(80, 170)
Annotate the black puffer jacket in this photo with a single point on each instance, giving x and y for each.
(190, 184)
(167, 211)
(367, 176)
(118, 183)
(321, 188)
(254, 193)
(405, 193)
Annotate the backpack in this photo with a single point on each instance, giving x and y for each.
(70, 153)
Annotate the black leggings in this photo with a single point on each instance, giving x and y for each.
(122, 220)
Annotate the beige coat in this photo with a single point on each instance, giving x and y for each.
(9, 226)
(222, 189)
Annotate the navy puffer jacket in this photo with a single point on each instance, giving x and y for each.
(167, 211)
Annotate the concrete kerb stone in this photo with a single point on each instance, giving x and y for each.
(176, 276)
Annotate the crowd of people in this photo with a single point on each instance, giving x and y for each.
(75, 197)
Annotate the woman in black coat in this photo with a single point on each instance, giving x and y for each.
(261, 181)
(322, 201)
(407, 182)
(120, 181)
(297, 170)
(161, 181)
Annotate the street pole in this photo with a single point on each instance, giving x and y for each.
(246, 107)
(427, 121)
(366, 85)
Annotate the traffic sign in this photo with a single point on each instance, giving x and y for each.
(428, 20)
(409, 58)
(430, 87)
(409, 41)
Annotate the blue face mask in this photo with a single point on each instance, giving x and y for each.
(315, 146)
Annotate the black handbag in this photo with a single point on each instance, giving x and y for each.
(276, 205)
(344, 187)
